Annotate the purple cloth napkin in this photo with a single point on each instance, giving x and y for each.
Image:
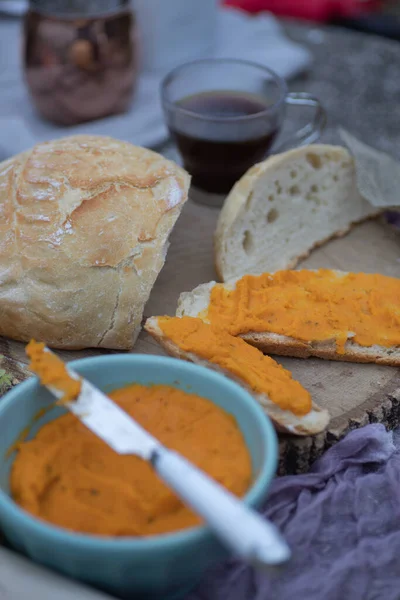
(342, 521)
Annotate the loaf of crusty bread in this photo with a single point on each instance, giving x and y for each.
(284, 207)
(196, 302)
(313, 422)
(84, 226)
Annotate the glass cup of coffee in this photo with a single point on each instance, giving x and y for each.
(225, 115)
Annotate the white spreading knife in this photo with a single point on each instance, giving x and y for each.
(248, 535)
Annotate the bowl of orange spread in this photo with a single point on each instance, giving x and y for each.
(70, 502)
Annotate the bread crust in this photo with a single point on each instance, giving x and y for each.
(287, 346)
(84, 224)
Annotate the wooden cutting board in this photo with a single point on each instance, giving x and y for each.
(354, 394)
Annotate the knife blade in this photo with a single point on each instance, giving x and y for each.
(108, 421)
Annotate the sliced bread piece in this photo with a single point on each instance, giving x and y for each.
(187, 338)
(196, 304)
(284, 207)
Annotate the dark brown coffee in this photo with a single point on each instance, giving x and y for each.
(217, 151)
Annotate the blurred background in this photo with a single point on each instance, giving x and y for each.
(73, 66)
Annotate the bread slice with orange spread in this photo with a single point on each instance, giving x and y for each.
(285, 401)
(325, 313)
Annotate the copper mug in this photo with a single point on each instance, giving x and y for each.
(80, 58)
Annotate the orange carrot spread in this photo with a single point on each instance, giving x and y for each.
(68, 476)
(52, 371)
(312, 306)
(261, 373)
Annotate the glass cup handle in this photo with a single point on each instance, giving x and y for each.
(311, 132)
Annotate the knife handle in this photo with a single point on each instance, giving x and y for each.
(247, 534)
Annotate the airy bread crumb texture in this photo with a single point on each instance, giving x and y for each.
(284, 207)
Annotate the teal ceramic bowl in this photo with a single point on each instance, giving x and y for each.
(163, 566)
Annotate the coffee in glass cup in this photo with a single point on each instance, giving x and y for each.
(225, 116)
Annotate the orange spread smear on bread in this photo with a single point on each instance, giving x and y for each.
(260, 373)
(321, 305)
